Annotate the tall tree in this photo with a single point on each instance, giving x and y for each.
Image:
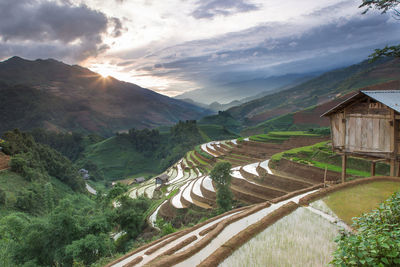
(384, 6)
(221, 175)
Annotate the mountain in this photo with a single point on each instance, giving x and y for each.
(310, 117)
(61, 97)
(214, 106)
(247, 90)
(319, 90)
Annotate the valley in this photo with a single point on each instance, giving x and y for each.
(199, 133)
(152, 193)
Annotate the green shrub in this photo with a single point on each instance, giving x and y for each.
(376, 242)
(167, 229)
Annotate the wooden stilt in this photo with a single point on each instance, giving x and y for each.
(325, 174)
(398, 169)
(392, 167)
(344, 166)
(373, 167)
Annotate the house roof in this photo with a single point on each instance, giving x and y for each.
(163, 177)
(140, 179)
(390, 98)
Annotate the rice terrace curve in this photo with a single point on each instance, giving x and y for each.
(278, 194)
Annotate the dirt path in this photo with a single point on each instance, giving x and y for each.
(4, 160)
(153, 216)
(90, 189)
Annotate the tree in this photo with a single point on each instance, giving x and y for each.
(221, 175)
(90, 248)
(384, 6)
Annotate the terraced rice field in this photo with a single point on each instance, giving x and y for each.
(288, 243)
(174, 243)
(253, 181)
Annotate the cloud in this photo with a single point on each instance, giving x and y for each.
(273, 48)
(55, 26)
(118, 29)
(207, 9)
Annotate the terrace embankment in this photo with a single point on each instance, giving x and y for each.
(4, 161)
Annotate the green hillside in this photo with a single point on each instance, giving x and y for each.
(117, 157)
(224, 119)
(277, 111)
(53, 95)
(147, 154)
(38, 176)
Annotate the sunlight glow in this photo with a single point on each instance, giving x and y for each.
(169, 86)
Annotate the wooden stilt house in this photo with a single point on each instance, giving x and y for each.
(367, 125)
(162, 179)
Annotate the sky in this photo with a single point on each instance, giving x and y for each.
(176, 46)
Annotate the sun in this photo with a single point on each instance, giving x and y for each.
(105, 73)
(105, 70)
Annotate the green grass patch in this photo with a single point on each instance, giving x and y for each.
(336, 168)
(11, 182)
(354, 201)
(215, 132)
(294, 151)
(320, 155)
(281, 136)
(117, 158)
(202, 153)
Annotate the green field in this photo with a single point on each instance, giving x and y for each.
(354, 201)
(117, 158)
(212, 132)
(11, 182)
(320, 155)
(280, 137)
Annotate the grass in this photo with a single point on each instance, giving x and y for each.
(353, 202)
(202, 162)
(336, 168)
(320, 155)
(299, 239)
(321, 205)
(118, 158)
(203, 153)
(296, 150)
(280, 137)
(11, 182)
(215, 132)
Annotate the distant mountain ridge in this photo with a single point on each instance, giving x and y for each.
(57, 96)
(251, 117)
(246, 90)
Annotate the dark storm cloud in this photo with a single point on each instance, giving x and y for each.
(212, 8)
(59, 25)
